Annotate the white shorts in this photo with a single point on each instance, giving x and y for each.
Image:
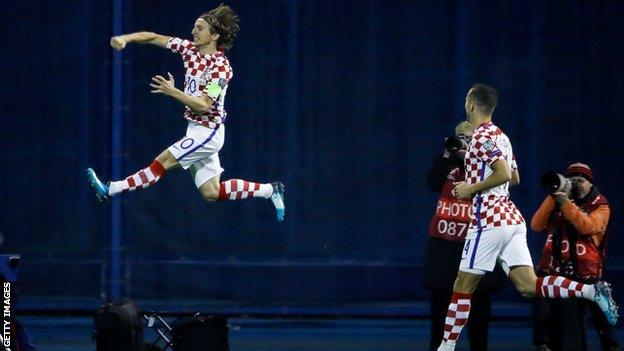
(483, 248)
(199, 151)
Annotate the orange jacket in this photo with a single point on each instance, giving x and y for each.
(593, 224)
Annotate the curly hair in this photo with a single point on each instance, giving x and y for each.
(223, 21)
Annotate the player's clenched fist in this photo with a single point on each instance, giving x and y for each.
(118, 43)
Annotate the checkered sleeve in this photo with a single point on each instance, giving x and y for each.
(218, 76)
(178, 45)
(486, 148)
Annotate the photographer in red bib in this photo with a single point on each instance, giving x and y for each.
(575, 216)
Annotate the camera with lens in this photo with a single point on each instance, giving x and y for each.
(453, 144)
(555, 182)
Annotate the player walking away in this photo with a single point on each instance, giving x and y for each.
(208, 73)
(497, 232)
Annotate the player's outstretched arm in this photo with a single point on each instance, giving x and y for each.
(119, 42)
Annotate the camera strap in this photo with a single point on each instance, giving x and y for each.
(563, 229)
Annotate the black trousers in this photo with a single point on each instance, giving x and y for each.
(560, 324)
(478, 320)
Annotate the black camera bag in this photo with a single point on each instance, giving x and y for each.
(205, 333)
(118, 327)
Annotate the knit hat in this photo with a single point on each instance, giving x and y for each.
(580, 169)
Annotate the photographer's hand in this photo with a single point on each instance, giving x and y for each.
(561, 197)
(446, 153)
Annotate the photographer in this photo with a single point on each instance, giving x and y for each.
(447, 232)
(575, 216)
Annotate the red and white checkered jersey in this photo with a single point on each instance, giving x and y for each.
(492, 207)
(200, 71)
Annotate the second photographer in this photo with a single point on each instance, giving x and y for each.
(575, 216)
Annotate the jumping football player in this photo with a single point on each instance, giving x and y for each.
(208, 73)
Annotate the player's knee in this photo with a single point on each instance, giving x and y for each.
(525, 290)
(524, 279)
(167, 160)
(210, 197)
(210, 194)
(210, 191)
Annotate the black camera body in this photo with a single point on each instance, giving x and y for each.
(453, 144)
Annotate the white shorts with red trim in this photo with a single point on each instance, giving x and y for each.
(484, 247)
(199, 151)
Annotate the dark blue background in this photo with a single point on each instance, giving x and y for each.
(346, 102)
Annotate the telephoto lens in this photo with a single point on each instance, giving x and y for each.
(555, 182)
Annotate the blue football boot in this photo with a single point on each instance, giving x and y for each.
(277, 198)
(605, 301)
(101, 189)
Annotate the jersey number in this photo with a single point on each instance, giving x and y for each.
(190, 85)
(467, 247)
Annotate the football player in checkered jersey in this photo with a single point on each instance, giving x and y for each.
(208, 73)
(497, 232)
